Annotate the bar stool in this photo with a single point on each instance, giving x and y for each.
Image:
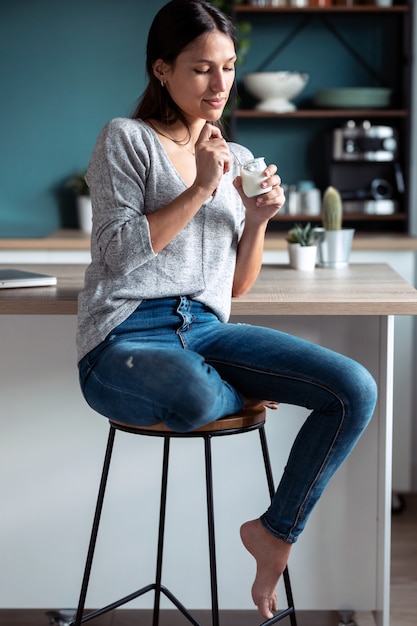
(242, 422)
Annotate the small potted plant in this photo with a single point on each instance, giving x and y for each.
(334, 242)
(302, 248)
(79, 187)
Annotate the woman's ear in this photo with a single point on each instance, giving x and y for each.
(159, 69)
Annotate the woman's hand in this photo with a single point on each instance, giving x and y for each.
(212, 158)
(263, 207)
(259, 211)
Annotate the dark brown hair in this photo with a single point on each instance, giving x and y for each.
(174, 27)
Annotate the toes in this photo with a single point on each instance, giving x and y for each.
(267, 606)
(270, 404)
(264, 609)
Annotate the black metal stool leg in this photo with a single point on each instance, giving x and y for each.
(96, 522)
(211, 532)
(161, 532)
(286, 576)
(157, 587)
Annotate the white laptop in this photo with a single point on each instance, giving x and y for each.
(19, 278)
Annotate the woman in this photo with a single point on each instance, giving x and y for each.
(174, 236)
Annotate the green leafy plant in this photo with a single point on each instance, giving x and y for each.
(78, 184)
(332, 209)
(304, 235)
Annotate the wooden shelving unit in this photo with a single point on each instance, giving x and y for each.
(399, 114)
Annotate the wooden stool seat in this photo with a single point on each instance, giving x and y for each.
(249, 419)
(246, 419)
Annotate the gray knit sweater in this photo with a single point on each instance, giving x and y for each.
(131, 176)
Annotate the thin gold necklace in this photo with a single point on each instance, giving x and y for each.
(167, 135)
(178, 143)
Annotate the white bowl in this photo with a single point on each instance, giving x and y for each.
(275, 89)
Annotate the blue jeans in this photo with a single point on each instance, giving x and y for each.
(173, 361)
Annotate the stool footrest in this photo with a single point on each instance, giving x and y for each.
(140, 592)
(279, 616)
(136, 594)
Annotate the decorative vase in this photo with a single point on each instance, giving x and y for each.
(302, 257)
(84, 213)
(334, 247)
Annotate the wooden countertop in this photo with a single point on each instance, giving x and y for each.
(66, 239)
(360, 289)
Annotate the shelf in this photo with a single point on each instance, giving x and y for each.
(378, 241)
(323, 113)
(62, 240)
(247, 8)
(347, 217)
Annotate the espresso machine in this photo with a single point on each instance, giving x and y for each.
(364, 167)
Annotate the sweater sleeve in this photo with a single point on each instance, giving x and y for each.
(117, 178)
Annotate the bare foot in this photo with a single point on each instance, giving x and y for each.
(271, 556)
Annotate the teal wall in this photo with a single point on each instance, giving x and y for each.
(66, 67)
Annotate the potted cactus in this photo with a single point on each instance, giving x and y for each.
(302, 248)
(334, 242)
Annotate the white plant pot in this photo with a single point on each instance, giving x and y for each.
(84, 213)
(334, 247)
(302, 257)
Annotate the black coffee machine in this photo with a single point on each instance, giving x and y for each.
(364, 167)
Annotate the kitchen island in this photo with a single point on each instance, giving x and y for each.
(52, 448)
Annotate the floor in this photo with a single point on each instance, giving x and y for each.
(404, 565)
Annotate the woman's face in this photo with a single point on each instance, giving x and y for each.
(201, 78)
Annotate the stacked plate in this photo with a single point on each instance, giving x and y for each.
(353, 97)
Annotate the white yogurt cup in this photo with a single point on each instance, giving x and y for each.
(252, 173)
